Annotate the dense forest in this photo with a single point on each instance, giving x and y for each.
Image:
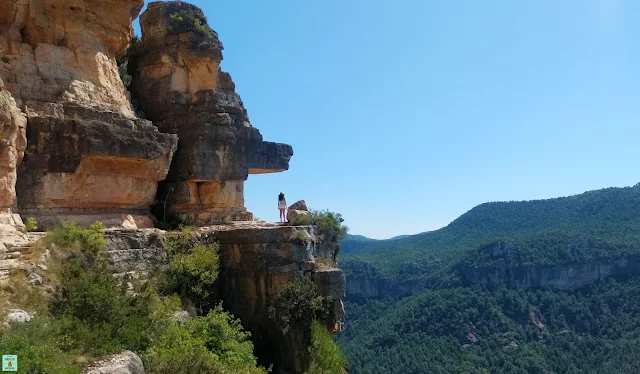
(475, 330)
(460, 328)
(602, 223)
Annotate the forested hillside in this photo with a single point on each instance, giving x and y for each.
(458, 327)
(474, 330)
(604, 223)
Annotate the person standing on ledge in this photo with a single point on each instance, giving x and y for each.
(282, 206)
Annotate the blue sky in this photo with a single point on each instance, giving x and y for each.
(404, 115)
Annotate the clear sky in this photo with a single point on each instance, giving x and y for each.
(405, 114)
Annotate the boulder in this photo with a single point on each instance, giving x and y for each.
(299, 205)
(126, 362)
(299, 217)
(17, 316)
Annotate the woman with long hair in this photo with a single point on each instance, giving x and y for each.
(282, 206)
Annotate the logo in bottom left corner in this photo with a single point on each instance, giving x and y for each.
(9, 363)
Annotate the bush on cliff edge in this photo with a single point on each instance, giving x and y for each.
(298, 305)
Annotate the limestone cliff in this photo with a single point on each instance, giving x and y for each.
(257, 260)
(13, 143)
(566, 276)
(179, 84)
(88, 157)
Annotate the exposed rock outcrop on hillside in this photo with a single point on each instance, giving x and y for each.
(564, 276)
(179, 84)
(88, 157)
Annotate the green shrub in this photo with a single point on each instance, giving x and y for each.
(298, 305)
(70, 235)
(35, 344)
(180, 242)
(31, 224)
(96, 314)
(5, 59)
(211, 344)
(193, 275)
(187, 21)
(326, 356)
(92, 314)
(330, 225)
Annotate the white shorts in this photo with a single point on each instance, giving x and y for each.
(282, 205)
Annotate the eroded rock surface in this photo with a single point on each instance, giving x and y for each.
(126, 362)
(13, 142)
(64, 51)
(179, 84)
(88, 157)
(257, 260)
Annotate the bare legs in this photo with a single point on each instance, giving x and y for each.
(283, 217)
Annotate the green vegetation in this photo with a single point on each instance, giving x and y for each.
(193, 275)
(298, 305)
(330, 225)
(92, 314)
(214, 343)
(478, 330)
(186, 20)
(123, 63)
(594, 330)
(31, 224)
(5, 59)
(301, 236)
(326, 356)
(595, 224)
(354, 243)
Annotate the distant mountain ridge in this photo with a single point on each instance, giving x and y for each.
(596, 224)
(355, 243)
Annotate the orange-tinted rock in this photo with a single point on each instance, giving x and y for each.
(88, 155)
(65, 50)
(179, 84)
(257, 261)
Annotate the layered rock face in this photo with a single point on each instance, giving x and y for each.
(179, 84)
(564, 277)
(256, 261)
(88, 157)
(13, 143)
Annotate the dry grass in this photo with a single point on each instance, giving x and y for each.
(17, 293)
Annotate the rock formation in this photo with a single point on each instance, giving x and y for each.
(13, 143)
(179, 84)
(126, 362)
(73, 147)
(257, 260)
(88, 157)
